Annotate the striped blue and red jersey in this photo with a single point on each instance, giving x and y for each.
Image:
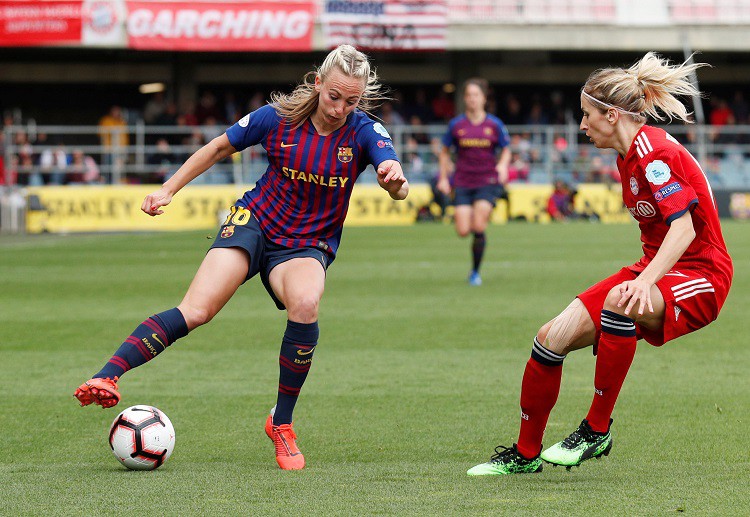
(302, 198)
(476, 149)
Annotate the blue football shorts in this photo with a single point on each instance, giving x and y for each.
(244, 232)
(468, 195)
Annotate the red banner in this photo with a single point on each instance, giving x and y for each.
(38, 22)
(225, 26)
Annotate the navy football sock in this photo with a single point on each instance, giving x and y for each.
(296, 355)
(477, 249)
(147, 341)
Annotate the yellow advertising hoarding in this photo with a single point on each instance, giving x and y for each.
(118, 208)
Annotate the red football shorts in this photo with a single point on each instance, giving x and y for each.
(692, 302)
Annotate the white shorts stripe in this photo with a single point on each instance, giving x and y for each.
(693, 293)
(693, 288)
(683, 285)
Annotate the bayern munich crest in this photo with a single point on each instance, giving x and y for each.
(345, 154)
(634, 186)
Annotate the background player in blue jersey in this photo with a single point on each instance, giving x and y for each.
(319, 139)
(478, 174)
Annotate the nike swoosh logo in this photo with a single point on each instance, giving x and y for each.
(300, 352)
(157, 338)
(287, 145)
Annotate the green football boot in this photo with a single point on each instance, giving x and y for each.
(580, 446)
(507, 461)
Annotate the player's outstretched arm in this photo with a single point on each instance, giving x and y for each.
(391, 178)
(214, 151)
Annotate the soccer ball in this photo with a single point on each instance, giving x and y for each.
(142, 438)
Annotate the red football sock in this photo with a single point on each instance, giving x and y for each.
(617, 346)
(539, 390)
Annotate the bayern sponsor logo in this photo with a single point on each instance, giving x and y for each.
(645, 209)
(634, 186)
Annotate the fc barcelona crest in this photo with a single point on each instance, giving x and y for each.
(345, 154)
(227, 231)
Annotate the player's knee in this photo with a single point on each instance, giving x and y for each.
(304, 308)
(195, 316)
(463, 232)
(611, 300)
(543, 332)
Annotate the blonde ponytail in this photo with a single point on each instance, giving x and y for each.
(646, 89)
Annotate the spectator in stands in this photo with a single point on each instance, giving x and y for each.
(420, 107)
(537, 115)
(207, 107)
(53, 163)
(24, 163)
(560, 203)
(521, 145)
(601, 171)
(560, 113)
(443, 107)
(512, 113)
(155, 106)
(389, 115)
(83, 170)
(186, 116)
(163, 158)
(232, 110)
(114, 137)
(518, 169)
(256, 101)
(479, 174)
(168, 118)
(740, 108)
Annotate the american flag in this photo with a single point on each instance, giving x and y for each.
(386, 24)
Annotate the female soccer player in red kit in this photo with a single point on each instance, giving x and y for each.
(287, 229)
(678, 286)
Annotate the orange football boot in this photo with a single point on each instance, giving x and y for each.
(102, 392)
(288, 455)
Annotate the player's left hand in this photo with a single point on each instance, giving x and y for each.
(155, 201)
(635, 291)
(391, 178)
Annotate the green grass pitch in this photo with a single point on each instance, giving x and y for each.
(416, 379)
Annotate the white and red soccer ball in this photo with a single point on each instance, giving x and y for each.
(142, 438)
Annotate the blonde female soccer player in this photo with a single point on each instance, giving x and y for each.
(319, 139)
(679, 285)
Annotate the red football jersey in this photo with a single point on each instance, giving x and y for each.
(661, 181)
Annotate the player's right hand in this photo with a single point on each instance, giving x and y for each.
(444, 186)
(156, 200)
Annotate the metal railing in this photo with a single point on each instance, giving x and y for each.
(150, 154)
